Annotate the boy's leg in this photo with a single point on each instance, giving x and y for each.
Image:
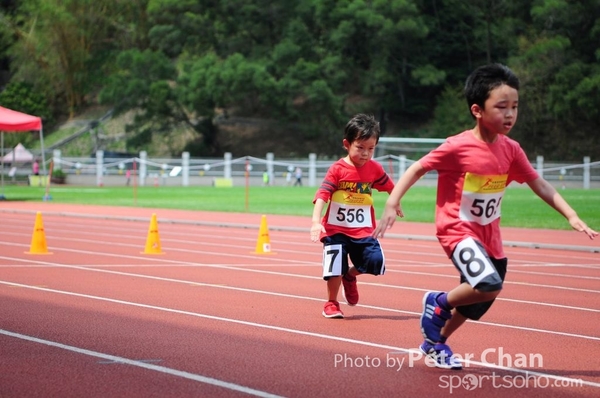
(438, 308)
(481, 282)
(333, 287)
(485, 300)
(439, 351)
(350, 288)
(332, 309)
(335, 265)
(464, 294)
(367, 258)
(452, 325)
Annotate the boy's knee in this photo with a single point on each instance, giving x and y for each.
(488, 295)
(490, 288)
(475, 311)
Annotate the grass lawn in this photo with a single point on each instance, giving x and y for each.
(520, 207)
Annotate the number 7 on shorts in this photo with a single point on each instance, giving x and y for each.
(332, 260)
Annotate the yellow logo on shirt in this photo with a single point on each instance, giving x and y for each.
(352, 198)
(485, 183)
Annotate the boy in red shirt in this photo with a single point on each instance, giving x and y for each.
(346, 228)
(474, 168)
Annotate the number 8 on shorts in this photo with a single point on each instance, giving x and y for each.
(472, 262)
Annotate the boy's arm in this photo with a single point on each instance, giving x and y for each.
(317, 227)
(392, 205)
(548, 193)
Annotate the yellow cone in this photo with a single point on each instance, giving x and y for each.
(263, 244)
(38, 239)
(153, 239)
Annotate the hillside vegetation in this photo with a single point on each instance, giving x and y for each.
(215, 76)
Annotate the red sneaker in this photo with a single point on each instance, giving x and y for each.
(350, 289)
(332, 310)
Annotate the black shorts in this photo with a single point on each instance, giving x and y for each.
(477, 310)
(366, 255)
(476, 267)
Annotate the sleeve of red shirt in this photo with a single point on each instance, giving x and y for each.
(521, 169)
(329, 184)
(382, 181)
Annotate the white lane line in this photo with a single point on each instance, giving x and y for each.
(143, 364)
(303, 333)
(230, 267)
(318, 299)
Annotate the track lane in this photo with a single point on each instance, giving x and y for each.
(287, 288)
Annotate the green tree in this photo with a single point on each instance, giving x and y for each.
(143, 83)
(559, 72)
(63, 45)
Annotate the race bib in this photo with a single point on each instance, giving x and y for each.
(332, 260)
(472, 261)
(481, 197)
(350, 210)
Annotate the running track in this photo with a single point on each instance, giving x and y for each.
(209, 317)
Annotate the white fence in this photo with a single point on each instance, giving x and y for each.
(187, 171)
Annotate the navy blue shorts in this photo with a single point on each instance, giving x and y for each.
(366, 255)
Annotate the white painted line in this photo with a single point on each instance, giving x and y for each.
(143, 364)
(303, 333)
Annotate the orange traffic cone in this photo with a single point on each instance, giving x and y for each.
(38, 240)
(263, 244)
(153, 240)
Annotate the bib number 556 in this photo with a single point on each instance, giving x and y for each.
(350, 215)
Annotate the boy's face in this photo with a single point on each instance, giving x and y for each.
(500, 113)
(361, 151)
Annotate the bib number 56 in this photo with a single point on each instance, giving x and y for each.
(480, 208)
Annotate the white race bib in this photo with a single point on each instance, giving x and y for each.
(472, 262)
(350, 210)
(332, 260)
(481, 198)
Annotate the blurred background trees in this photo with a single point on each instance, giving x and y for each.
(186, 68)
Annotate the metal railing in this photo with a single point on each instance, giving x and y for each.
(204, 171)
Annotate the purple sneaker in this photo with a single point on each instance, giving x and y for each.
(433, 318)
(442, 355)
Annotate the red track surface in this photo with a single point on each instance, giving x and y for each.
(210, 317)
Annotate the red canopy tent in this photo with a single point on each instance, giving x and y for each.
(13, 122)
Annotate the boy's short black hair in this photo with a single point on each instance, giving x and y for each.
(484, 79)
(362, 127)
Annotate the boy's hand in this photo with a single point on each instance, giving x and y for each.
(387, 220)
(315, 231)
(580, 226)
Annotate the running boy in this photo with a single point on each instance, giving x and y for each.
(346, 228)
(474, 168)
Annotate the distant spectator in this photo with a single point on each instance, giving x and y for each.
(128, 177)
(298, 174)
(36, 168)
(288, 176)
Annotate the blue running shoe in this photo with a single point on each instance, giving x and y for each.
(442, 355)
(433, 318)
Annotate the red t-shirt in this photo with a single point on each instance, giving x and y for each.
(348, 190)
(472, 177)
